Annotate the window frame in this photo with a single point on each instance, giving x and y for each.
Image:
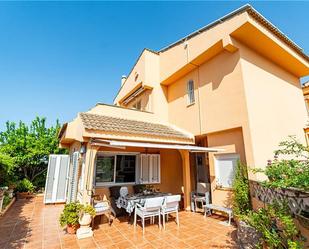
(115, 154)
(216, 169)
(190, 93)
(138, 104)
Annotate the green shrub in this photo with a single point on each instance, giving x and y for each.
(241, 191)
(290, 167)
(276, 226)
(25, 186)
(6, 201)
(70, 214)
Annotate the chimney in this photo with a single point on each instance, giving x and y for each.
(123, 79)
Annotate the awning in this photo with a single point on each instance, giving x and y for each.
(123, 144)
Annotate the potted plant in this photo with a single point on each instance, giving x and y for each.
(24, 189)
(11, 189)
(87, 212)
(70, 217)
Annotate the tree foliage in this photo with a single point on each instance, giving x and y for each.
(6, 166)
(28, 147)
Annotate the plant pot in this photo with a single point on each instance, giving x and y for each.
(248, 237)
(24, 195)
(10, 193)
(85, 220)
(71, 229)
(84, 231)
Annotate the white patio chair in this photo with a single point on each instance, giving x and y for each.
(171, 205)
(151, 209)
(201, 195)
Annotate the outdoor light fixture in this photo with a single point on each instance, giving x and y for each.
(82, 149)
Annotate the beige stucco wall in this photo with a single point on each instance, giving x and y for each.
(219, 96)
(275, 104)
(232, 142)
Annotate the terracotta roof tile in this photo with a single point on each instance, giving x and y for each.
(114, 124)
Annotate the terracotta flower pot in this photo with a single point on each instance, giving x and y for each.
(71, 229)
(24, 195)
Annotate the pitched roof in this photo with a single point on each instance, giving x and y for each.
(115, 124)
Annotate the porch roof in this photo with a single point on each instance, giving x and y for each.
(123, 144)
(124, 125)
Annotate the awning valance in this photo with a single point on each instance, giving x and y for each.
(123, 144)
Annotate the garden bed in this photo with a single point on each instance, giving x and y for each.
(7, 205)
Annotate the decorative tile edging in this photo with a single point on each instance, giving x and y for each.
(297, 200)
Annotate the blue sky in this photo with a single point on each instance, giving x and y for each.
(57, 59)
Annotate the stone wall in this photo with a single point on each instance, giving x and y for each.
(297, 200)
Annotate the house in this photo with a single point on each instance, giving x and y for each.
(186, 113)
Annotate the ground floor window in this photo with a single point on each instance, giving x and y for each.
(225, 166)
(115, 169)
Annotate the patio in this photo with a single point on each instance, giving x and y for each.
(31, 224)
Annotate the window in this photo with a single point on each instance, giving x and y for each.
(190, 92)
(138, 105)
(225, 165)
(115, 169)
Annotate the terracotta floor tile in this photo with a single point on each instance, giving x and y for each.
(21, 229)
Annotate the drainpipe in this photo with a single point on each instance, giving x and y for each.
(186, 47)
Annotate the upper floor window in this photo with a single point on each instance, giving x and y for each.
(138, 105)
(190, 92)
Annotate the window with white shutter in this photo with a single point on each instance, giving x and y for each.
(225, 165)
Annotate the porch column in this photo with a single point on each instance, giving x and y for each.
(89, 172)
(186, 178)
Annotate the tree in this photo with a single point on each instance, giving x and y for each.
(6, 166)
(30, 146)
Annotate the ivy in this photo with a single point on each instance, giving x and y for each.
(241, 196)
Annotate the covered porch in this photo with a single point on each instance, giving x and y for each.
(167, 168)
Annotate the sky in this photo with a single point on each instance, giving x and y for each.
(61, 58)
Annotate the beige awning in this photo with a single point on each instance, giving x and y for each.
(123, 144)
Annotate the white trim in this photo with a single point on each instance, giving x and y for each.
(162, 146)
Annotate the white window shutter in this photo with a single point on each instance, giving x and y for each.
(62, 178)
(144, 168)
(155, 168)
(72, 192)
(50, 179)
(225, 169)
(56, 180)
(138, 169)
